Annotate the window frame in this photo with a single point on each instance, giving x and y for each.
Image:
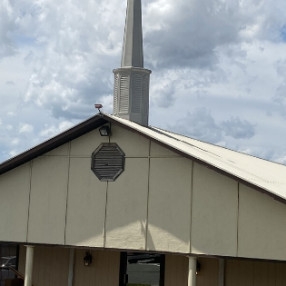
(123, 268)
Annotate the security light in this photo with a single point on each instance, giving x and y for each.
(104, 130)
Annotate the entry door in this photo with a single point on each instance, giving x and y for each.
(142, 269)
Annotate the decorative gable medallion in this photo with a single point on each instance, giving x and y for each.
(107, 162)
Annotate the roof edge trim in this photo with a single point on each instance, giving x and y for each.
(60, 139)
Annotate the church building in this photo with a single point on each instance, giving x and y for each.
(116, 202)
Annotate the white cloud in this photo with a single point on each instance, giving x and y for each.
(25, 128)
(218, 68)
(50, 131)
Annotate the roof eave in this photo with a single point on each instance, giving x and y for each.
(62, 138)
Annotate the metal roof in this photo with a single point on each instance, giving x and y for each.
(263, 175)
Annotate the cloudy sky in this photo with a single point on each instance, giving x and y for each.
(218, 69)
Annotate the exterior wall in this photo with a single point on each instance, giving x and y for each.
(255, 273)
(262, 226)
(126, 206)
(48, 199)
(208, 274)
(104, 269)
(214, 213)
(161, 202)
(14, 192)
(51, 267)
(237, 272)
(169, 208)
(176, 270)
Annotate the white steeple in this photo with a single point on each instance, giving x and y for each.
(131, 81)
(132, 55)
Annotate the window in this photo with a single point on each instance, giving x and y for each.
(142, 269)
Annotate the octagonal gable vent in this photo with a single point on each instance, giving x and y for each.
(107, 162)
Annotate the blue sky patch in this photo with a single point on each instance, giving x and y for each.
(283, 33)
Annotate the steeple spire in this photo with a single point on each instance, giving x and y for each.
(132, 55)
(131, 81)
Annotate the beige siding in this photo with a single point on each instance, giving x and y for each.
(255, 273)
(158, 203)
(103, 271)
(214, 213)
(238, 272)
(50, 267)
(22, 257)
(158, 150)
(14, 202)
(60, 151)
(86, 144)
(127, 206)
(85, 206)
(176, 270)
(169, 204)
(208, 274)
(280, 274)
(48, 200)
(262, 226)
(131, 143)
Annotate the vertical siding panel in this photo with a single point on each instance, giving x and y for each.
(231, 273)
(246, 273)
(176, 270)
(214, 213)
(47, 213)
(239, 273)
(14, 191)
(280, 274)
(264, 274)
(22, 259)
(169, 205)
(208, 274)
(86, 203)
(103, 271)
(127, 206)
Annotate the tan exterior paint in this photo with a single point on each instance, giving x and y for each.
(208, 274)
(104, 269)
(127, 207)
(51, 267)
(84, 146)
(161, 202)
(159, 151)
(14, 204)
(136, 147)
(262, 226)
(48, 199)
(176, 270)
(255, 273)
(85, 205)
(169, 204)
(214, 213)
